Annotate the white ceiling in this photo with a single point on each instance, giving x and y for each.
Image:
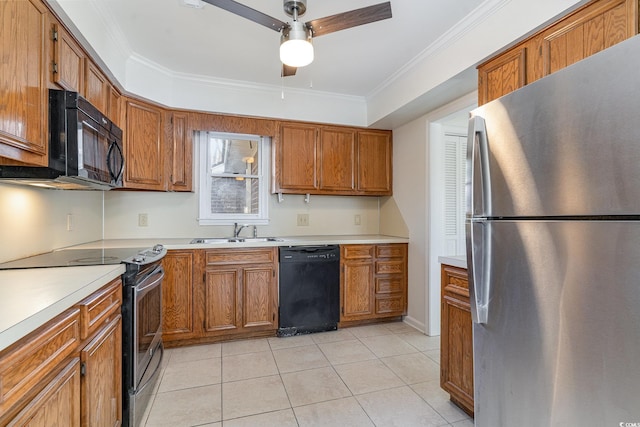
(214, 43)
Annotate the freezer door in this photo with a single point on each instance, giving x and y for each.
(561, 342)
(567, 144)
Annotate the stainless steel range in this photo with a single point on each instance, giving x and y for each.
(142, 349)
(141, 314)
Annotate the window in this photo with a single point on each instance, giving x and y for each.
(233, 178)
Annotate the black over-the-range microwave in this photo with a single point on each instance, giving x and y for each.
(85, 149)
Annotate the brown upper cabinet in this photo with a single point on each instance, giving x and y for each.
(67, 62)
(337, 155)
(374, 163)
(144, 148)
(158, 148)
(96, 87)
(584, 32)
(23, 117)
(331, 160)
(180, 149)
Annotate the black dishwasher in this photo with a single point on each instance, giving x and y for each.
(309, 289)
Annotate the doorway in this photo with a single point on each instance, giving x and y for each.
(447, 130)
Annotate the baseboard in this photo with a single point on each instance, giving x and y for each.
(414, 323)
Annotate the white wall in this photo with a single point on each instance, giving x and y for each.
(437, 122)
(412, 179)
(175, 215)
(34, 221)
(410, 184)
(493, 25)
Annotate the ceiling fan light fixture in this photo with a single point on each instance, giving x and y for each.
(296, 49)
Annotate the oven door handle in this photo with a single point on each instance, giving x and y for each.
(143, 287)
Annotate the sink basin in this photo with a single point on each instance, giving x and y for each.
(215, 240)
(256, 239)
(208, 241)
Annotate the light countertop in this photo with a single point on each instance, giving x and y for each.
(454, 260)
(183, 243)
(31, 297)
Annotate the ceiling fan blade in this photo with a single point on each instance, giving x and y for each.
(288, 70)
(248, 13)
(342, 21)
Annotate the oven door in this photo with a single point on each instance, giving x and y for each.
(147, 323)
(99, 156)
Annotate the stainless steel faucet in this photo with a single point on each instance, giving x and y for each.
(238, 228)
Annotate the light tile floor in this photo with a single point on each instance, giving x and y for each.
(376, 375)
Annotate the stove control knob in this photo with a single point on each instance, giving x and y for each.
(157, 249)
(138, 258)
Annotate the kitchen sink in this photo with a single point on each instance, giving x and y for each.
(215, 240)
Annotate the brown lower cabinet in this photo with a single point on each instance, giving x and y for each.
(373, 282)
(456, 339)
(240, 291)
(54, 376)
(178, 312)
(219, 294)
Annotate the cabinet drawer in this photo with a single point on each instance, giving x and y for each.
(391, 251)
(358, 251)
(23, 366)
(395, 266)
(454, 280)
(387, 285)
(240, 256)
(99, 308)
(389, 304)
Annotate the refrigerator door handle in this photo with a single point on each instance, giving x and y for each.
(479, 254)
(478, 184)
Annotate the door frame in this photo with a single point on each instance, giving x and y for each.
(437, 123)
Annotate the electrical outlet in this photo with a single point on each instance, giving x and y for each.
(357, 220)
(69, 222)
(303, 220)
(143, 220)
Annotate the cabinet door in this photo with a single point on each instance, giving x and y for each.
(220, 302)
(357, 290)
(23, 124)
(259, 299)
(337, 159)
(296, 158)
(57, 405)
(502, 75)
(68, 60)
(114, 111)
(177, 296)
(374, 163)
(180, 175)
(101, 385)
(96, 87)
(595, 27)
(143, 147)
(456, 348)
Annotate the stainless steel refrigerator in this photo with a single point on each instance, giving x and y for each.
(553, 247)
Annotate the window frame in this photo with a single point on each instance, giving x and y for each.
(205, 216)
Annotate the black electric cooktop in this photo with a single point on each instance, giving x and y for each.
(74, 258)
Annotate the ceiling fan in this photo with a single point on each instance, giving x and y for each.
(296, 49)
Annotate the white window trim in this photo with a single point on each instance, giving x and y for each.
(204, 187)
